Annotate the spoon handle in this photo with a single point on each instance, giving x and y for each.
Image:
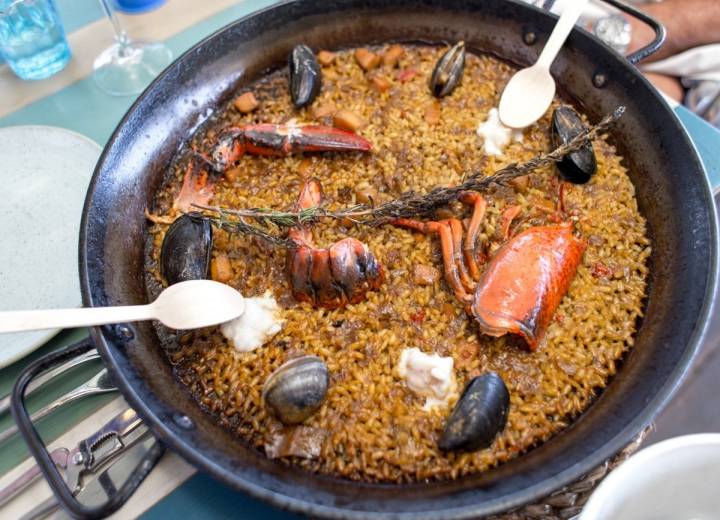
(17, 321)
(561, 31)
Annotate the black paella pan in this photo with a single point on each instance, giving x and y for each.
(672, 194)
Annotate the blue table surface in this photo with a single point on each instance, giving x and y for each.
(201, 496)
(78, 13)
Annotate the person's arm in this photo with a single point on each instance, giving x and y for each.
(689, 23)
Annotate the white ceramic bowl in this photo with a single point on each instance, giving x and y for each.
(675, 479)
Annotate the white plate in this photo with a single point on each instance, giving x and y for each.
(675, 478)
(44, 174)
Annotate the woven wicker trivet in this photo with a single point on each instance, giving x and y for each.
(566, 503)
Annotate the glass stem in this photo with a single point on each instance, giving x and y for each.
(121, 37)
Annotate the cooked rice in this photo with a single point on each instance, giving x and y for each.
(374, 427)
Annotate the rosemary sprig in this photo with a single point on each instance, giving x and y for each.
(409, 204)
(235, 225)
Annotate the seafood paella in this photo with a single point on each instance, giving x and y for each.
(406, 320)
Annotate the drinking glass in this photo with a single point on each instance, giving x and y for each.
(32, 38)
(127, 66)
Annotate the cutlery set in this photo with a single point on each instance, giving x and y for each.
(106, 465)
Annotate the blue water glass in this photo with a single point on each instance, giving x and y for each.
(32, 38)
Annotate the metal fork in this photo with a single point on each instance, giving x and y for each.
(51, 374)
(100, 383)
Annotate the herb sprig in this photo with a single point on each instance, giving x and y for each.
(407, 205)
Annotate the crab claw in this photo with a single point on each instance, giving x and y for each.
(525, 282)
(279, 140)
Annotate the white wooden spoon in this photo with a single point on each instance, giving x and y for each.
(185, 305)
(530, 91)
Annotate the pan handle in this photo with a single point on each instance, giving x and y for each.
(44, 461)
(658, 28)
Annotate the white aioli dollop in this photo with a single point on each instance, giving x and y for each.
(257, 325)
(496, 136)
(431, 376)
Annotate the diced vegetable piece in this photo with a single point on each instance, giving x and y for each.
(220, 269)
(368, 60)
(425, 274)
(325, 58)
(348, 120)
(432, 113)
(380, 83)
(392, 55)
(246, 102)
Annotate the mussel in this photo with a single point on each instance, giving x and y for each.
(297, 389)
(478, 416)
(186, 248)
(580, 165)
(305, 76)
(448, 71)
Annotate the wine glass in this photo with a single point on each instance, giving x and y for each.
(127, 67)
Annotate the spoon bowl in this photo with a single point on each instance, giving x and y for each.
(198, 303)
(530, 91)
(526, 97)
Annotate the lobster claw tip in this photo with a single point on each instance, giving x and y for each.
(319, 138)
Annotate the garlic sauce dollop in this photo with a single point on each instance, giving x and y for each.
(256, 326)
(431, 376)
(496, 136)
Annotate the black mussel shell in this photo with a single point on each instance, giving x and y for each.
(448, 71)
(478, 416)
(186, 248)
(297, 389)
(305, 76)
(580, 165)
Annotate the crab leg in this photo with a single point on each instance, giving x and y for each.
(479, 205)
(449, 260)
(415, 225)
(456, 230)
(280, 140)
(451, 254)
(507, 217)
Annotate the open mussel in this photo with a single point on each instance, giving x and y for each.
(297, 389)
(448, 71)
(478, 416)
(186, 249)
(305, 76)
(580, 165)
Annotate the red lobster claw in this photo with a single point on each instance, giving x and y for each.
(279, 140)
